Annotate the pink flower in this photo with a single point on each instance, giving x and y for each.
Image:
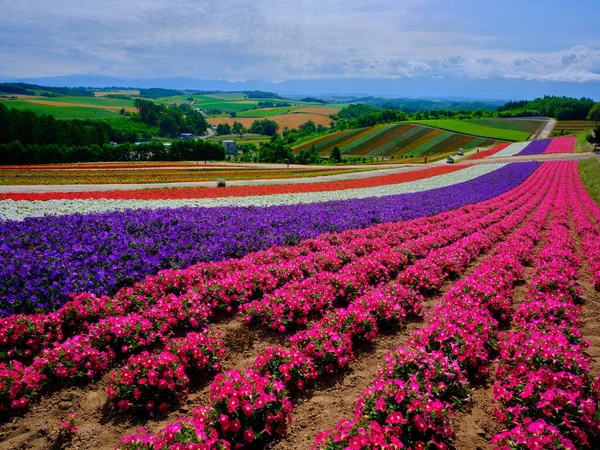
(248, 435)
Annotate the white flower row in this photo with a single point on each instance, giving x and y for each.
(19, 210)
(511, 150)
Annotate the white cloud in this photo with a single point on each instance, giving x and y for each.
(265, 40)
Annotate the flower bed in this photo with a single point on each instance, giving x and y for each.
(236, 191)
(322, 350)
(23, 209)
(565, 144)
(492, 151)
(547, 394)
(130, 245)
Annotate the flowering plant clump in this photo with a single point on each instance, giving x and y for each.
(124, 334)
(198, 350)
(433, 372)
(75, 358)
(247, 408)
(533, 434)
(329, 349)
(289, 366)
(467, 335)
(184, 433)
(68, 428)
(149, 383)
(24, 336)
(354, 321)
(17, 385)
(396, 403)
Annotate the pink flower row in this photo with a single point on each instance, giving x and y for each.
(565, 144)
(411, 403)
(327, 346)
(78, 359)
(548, 397)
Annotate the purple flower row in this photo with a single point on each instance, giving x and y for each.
(43, 260)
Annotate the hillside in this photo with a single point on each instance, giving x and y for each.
(395, 140)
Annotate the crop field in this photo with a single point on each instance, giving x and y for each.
(267, 112)
(391, 311)
(65, 110)
(476, 129)
(574, 125)
(291, 120)
(396, 140)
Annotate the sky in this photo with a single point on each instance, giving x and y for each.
(301, 40)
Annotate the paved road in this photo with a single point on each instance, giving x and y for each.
(545, 133)
(384, 170)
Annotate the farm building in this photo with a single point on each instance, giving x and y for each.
(229, 147)
(186, 136)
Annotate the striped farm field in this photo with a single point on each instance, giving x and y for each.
(372, 139)
(396, 140)
(574, 125)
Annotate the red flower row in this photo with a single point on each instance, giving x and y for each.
(238, 191)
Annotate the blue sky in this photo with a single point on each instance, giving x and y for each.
(290, 40)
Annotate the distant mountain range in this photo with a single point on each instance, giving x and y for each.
(448, 89)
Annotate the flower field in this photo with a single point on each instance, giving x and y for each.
(403, 311)
(565, 144)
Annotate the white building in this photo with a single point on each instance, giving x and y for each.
(229, 147)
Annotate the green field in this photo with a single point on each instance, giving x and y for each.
(529, 125)
(258, 113)
(589, 170)
(100, 101)
(66, 112)
(473, 129)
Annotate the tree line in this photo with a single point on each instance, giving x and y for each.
(190, 150)
(171, 120)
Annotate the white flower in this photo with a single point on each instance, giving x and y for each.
(19, 210)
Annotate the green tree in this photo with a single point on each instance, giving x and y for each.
(336, 155)
(594, 138)
(223, 129)
(275, 151)
(238, 128)
(594, 113)
(168, 126)
(265, 127)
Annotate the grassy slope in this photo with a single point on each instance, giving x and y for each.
(581, 143)
(589, 170)
(460, 126)
(100, 101)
